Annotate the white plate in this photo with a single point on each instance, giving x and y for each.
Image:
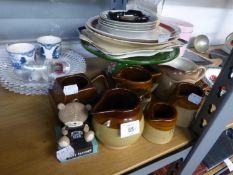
(116, 49)
(162, 33)
(127, 43)
(137, 28)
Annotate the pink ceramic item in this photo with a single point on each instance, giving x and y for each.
(186, 30)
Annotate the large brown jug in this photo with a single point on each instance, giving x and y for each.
(118, 108)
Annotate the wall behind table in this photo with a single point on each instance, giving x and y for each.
(213, 18)
(28, 19)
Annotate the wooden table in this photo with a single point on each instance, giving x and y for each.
(28, 141)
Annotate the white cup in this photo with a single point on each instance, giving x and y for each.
(50, 46)
(21, 54)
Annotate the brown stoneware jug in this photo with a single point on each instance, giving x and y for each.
(118, 109)
(86, 89)
(187, 100)
(160, 122)
(136, 78)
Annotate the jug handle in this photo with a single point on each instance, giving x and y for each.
(102, 77)
(117, 77)
(143, 94)
(201, 72)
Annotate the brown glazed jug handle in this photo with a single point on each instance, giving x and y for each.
(100, 77)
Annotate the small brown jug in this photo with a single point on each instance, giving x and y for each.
(87, 88)
(160, 122)
(187, 100)
(136, 78)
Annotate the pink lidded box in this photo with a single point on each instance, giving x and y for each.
(186, 30)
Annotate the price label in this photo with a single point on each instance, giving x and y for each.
(129, 129)
(70, 89)
(229, 164)
(163, 37)
(65, 153)
(194, 98)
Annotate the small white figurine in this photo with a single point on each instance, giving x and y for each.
(74, 115)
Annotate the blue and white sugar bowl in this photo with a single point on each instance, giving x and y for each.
(21, 54)
(50, 46)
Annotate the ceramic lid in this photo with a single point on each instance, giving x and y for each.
(184, 25)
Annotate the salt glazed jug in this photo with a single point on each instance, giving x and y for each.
(118, 119)
(187, 99)
(85, 90)
(137, 78)
(160, 122)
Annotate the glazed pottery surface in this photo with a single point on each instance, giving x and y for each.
(176, 71)
(160, 122)
(136, 78)
(87, 90)
(116, 107)
(110, 136)
(183, 103)
(157, 136)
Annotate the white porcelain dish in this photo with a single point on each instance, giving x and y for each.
(162, 33)
(120, 52)
(183, 64)
(127, 43)
(121, 27)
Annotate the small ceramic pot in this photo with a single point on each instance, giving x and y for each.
(21, 54)
(136, 78)
(176, 71)
(50, 46)
(187, 100)
(86, 89)
(117, 108)
(160, 122)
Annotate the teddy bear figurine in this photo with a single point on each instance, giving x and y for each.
(74, 115)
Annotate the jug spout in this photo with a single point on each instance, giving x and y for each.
(117, 106)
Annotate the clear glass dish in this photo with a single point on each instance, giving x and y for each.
(26, 81)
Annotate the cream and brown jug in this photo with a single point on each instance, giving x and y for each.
(187, 100)
(116, 109)
(160, 122)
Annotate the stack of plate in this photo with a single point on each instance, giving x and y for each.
(117, 40)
